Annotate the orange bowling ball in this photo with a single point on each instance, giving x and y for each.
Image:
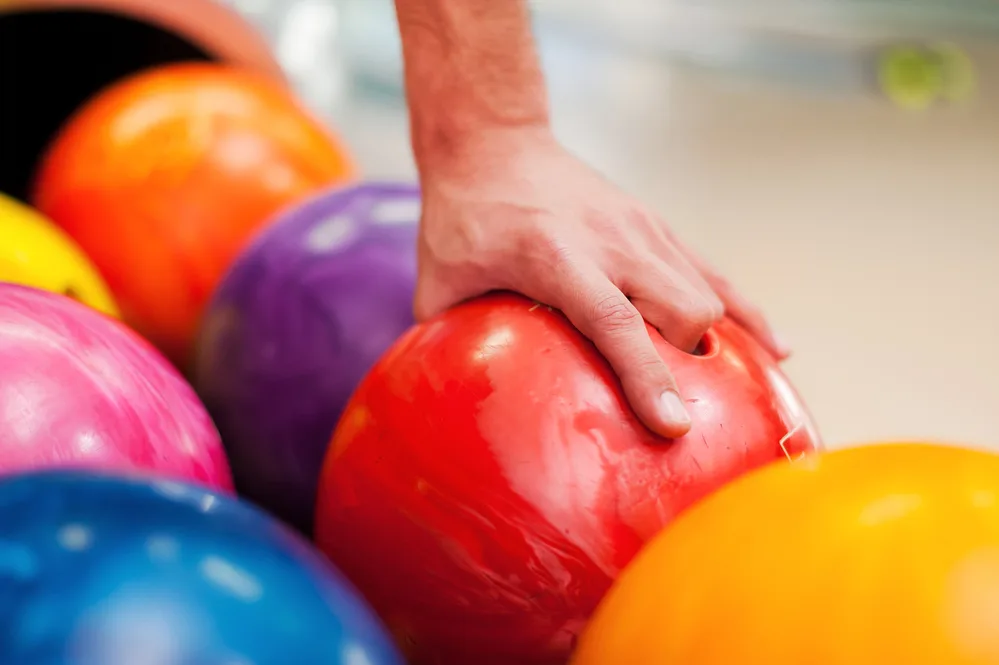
(162, 178)
(865, 556)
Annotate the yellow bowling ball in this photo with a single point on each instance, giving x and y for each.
(874, 555)
(35, 252)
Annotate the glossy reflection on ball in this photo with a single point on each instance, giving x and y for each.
(98, 570)
(864, 556)
(78, 388)
(304, 312)
(163, 177)
(488, 481)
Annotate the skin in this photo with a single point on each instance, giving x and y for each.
(505, 206)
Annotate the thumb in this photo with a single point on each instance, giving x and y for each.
(431, 298)
(602, 312)
(438, 290)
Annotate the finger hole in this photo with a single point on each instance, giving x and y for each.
(707, 347)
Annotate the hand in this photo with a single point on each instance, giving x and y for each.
(517, 212)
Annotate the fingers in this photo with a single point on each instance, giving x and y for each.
(738, 308)
(681, 312)
(676, 256)
(602, 312)
(751, 318)
(743, 312)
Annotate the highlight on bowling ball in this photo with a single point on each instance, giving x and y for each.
(114, 570)
(875, 554)
(35, 252)
(298, 320)
(163, 177)
(488, 481)
(79, 389)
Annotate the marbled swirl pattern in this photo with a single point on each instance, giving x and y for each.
(80, 389)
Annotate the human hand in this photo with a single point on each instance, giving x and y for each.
(515, 211)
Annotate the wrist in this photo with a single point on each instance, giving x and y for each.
(446, 142)
(452, 113)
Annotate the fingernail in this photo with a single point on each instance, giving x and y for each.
(673, 410)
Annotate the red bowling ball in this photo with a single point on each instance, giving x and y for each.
(488, 481)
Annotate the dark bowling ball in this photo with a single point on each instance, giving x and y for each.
(488, 481)
(303, 313)
(102, 570)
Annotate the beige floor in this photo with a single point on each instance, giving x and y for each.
(870, 237)
(869, 234)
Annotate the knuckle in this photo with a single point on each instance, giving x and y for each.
(614, 314)
(544, 249)
(642, 217)
(603, 222)
(552, 264)
(527, 234)
(643, 265)
(652, 369)
(560, 256)
(717, 306)
(701, 314)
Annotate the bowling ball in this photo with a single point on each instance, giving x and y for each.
(35, 252)
(79, 389)
(99, 570)
(877, 554)
(488, 481)
(300, 317)
(162, 177)
(107, 39)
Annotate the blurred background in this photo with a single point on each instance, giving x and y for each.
(839, 161)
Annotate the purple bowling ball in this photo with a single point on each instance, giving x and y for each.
(295, 324)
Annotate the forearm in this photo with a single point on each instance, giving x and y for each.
(471, 69)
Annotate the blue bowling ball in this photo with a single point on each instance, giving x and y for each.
(102, 570)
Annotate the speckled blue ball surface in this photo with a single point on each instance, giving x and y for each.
(101, 570)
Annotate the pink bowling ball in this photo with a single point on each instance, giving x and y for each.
(80, 389)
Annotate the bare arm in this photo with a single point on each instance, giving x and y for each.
(471, 67)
